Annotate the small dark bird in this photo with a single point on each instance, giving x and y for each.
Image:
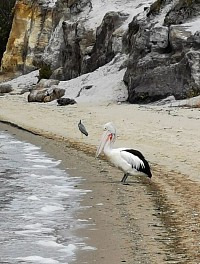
(82, 129)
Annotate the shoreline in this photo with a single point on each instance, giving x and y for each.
(141, 217)
(108, 228)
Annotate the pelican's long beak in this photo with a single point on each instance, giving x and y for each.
(102, 143)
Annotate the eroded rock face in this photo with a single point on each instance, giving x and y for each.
(71, 56)
(104, 48)
(84, 52)
(163, 61)
(182, 11)
(57, 36)
(163, 51)
(30, 34)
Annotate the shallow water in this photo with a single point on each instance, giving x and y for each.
(38, 203)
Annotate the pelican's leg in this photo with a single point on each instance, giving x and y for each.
(124, 177)
(122, 180)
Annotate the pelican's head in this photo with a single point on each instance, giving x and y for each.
(110, 128)
(109, 135)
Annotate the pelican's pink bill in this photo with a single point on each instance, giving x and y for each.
(102, 143)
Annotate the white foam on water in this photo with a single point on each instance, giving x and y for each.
(32, 231)
(33, 226)
(41, 211)
(51, 208)
(51, 177)
(33, 198)
(61, 194)
(2, 136)
(47, 161)
(89, 248)
(39, 166)
(29, 148)
(70, 249)
(34, 175)
(39, 260)
(82, 220)
(48, 243)
(16, 142)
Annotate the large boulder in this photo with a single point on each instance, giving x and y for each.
(46, 95)
(46, 91)
(182, 11)
(5, 88)
(163, 60)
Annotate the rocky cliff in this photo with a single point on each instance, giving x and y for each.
(30, 33)
(164, 52)
(160, 38)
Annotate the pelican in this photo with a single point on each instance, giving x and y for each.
(130, 161)
(82, 129)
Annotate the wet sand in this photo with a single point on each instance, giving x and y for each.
(146, 221)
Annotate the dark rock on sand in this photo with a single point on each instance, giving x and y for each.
(66, 101)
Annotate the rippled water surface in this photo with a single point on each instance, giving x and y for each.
(38, 202)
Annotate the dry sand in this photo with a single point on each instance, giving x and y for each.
(153, 221)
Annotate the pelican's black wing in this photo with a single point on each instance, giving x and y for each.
(146, 168)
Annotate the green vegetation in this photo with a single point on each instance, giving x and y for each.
(193, 92)
(45, 71)
(189, 2)
(155, 7)
(6, 16)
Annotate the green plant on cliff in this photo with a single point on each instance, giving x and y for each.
(156, 7)
(44, 71)
(193, 92)
(189, 2)
(6, 16)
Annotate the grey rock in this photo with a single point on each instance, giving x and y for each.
(163, 61)
(159, 38)
(197, 37)
(43, 96)
(167, 100)
(83, 52)
(58, 74)
(45, 91)
(104, 49)
(77, 7)
(71, 54)
(46, 83)
(66, 101)
(178, 37)
(181, 12)
(5, 88)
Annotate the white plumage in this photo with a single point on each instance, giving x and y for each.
(130, 161)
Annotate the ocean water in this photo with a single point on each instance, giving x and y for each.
(38, 204)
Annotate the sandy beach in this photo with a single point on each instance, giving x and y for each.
(146, 221)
